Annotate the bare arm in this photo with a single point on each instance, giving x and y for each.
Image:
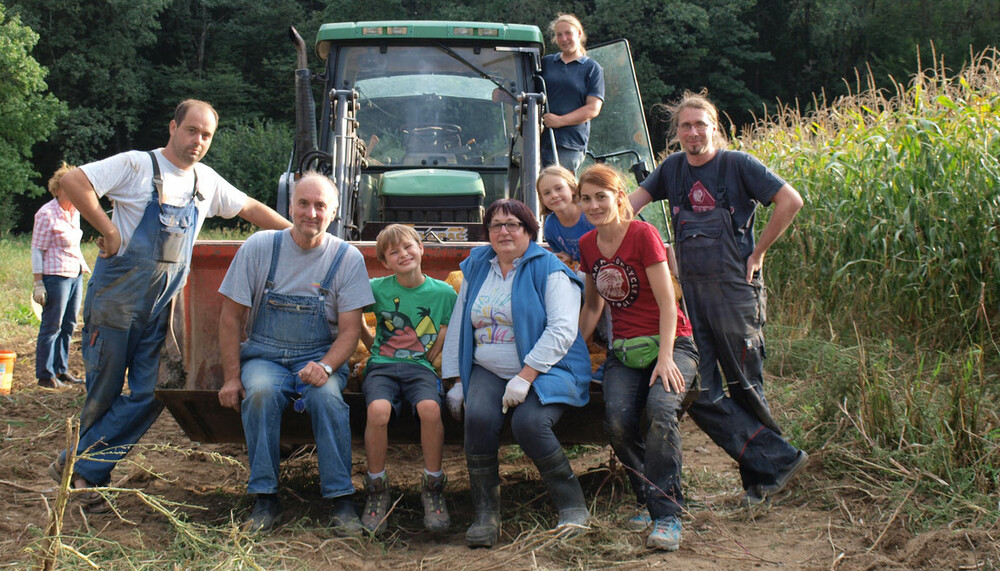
(435, 351)
(590, 109)
(787, 203)
(258, 214)
(81, 193)
(230, 334)
(367, 337)
(349, 325)
(663, 290)
(639, 198)
(593, 306)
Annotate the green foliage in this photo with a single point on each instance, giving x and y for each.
(252, 156)
(890, 271)
(901, 227)
(27, 114)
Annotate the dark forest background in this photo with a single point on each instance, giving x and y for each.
(116, 68)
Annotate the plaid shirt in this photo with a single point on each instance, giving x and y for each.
(57, 234)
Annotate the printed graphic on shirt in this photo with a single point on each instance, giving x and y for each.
(616, 281)
(400, 339)
(701, 199)
(491, 318)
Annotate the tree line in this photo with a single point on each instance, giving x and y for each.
(85, 79)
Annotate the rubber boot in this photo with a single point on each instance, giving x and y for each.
(566, 493)
(484, 486)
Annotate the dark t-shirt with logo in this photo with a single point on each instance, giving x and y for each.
(748, 182)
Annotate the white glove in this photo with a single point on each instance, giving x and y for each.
(39, 294)
(517, 391)
(454, 399)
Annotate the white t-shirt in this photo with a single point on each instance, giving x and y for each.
(299, 272)
(127, 179)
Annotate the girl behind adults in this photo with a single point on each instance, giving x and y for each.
(58, 266)
(574, 86)
(514, 342)
(653, 360)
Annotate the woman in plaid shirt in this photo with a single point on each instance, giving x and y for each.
(58, 266)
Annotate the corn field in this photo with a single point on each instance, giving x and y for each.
(891, 271)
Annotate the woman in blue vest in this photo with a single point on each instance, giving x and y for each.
(519, 354)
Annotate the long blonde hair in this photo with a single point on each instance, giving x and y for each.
(604, 176)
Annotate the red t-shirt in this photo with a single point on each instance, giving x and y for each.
(623, 284)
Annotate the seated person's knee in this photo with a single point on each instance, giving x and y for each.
(429, 411)
(379, 412)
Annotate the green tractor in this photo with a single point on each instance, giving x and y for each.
(422, 123)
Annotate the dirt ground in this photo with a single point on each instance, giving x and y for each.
(818, 524)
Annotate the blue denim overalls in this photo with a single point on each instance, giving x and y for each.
(125, 322)
(727, 315)
(288, 332)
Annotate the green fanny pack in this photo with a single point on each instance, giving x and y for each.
(637, 352)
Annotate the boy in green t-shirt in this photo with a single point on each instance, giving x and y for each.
(411, 313)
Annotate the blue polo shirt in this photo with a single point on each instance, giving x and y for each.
(568, 86)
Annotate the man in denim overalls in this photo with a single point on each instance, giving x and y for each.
(303, 291)
(713, 194)
(161, 198)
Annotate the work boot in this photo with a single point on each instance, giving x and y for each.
(345, 520)
(760, 493)
(566, 493)
(484, 487)
(436, 517)
(376, 513)
(265, 515)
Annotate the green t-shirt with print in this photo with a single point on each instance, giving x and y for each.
(407, 320)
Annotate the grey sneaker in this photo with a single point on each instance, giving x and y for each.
(376, 505)
(666, 534)
(436, 518)
(640, 521)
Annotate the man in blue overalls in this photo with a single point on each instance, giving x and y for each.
(303, 291)
(713, 194)
(161, 198)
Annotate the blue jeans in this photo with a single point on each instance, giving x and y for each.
(270, 380)
(651, 452)
(568, 158)
(112, 421)
(58, 322)
(531, 421)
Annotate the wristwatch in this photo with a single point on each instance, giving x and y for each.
(326, 368)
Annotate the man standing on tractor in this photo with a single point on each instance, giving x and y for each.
(713, 195)
(161, 198)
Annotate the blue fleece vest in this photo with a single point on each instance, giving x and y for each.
(568, 381)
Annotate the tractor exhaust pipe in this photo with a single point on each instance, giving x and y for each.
(305, 105)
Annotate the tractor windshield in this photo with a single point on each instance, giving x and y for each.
(421, 106)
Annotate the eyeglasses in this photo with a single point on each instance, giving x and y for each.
(510, 226)
(700, 126)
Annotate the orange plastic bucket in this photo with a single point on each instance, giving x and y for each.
(6, 371)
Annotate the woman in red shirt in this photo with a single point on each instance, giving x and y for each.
(653, 361)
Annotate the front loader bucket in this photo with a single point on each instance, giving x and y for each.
(191, 378)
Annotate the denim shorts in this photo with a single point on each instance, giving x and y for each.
(394, 381)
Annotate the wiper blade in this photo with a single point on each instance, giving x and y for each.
(476, 69)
